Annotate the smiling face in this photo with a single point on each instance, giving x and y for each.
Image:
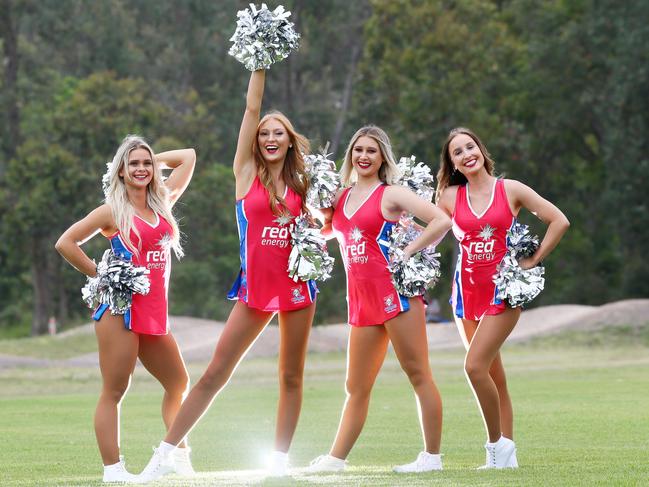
(139, 170)
(273, 140)
(465, 154)
(366, 157)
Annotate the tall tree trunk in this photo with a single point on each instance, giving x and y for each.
(347, 95)
(9, 34)
(63, 312)
(42, 287)
(292, 69)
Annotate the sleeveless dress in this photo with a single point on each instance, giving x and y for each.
(148, 313)
(363, 237)
(264, 247)
(482, 245)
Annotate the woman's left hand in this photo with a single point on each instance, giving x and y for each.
(527, 263)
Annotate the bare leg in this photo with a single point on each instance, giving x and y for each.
(117, 355)
(242, 328)
(161, 357)
(294, 327)
(365, 354)
(487, 340)
(407, 333)
(467, 329)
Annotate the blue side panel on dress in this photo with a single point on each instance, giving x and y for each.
(457, 297)
(313, 289)
(239, 289)
(495, 298)
(383, 240)
(120, 249)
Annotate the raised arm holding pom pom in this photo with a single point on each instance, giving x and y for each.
(271, 189)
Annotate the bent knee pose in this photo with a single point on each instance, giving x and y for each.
(138, 222)
(271, 191)
(483, 209)
(363, 218)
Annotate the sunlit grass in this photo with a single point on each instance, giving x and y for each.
(580, 420)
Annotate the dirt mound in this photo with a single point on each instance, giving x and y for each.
(197, 337)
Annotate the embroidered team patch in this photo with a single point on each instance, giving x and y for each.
(390, 303)
(297, 296)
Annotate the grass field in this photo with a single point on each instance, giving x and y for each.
(581, 419)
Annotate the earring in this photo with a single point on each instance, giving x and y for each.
(454, 169)
(290, 146)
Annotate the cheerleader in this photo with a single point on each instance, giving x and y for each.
(363, 217)
(270, 184)
(137, 221)
(483, 208)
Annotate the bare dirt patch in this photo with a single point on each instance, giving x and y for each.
(197, 337)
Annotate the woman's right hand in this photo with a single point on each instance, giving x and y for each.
(244, 164)
(68, 244)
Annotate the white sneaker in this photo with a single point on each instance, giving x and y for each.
(182, 462)
(277, 464)
(118, 473)
(499, 454)
(513, 461)
(158, 466)
(425, 462)
(326, 463)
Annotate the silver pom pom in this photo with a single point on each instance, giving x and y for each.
(262, 37)
(105, 179)
(521, 242)
(324, 180)
(421, 271)
(116, 281)
(416, 176)
(517, 286)
(309, 258)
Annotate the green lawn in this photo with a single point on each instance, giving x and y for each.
(581, 419)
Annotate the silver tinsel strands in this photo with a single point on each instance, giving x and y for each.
(116, 281)
(324, 180)
(263, 37)
(421, 271)
(309, 258)
(416, 176)
(515, 285)
(105, 179)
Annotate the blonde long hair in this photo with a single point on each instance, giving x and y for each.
(293, 172)
(388, 172)
(447, 175)
(157, 195)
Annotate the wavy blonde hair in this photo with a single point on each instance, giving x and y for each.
(388, 172)
(447, 175)
(293, 172)
(157, 195)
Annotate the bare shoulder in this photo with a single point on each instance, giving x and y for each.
(397, 190)
(516, 189)
(514, 185)
(103, 218)
(339, 194)
(447, 198)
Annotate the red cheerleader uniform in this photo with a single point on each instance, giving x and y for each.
(482, 244)
(363, 237)
(148, 313)
(264, 247)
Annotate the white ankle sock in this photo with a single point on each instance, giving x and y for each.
(166, 448)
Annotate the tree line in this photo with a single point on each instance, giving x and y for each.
(559, 91)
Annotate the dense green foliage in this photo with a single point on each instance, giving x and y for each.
(559, 91)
